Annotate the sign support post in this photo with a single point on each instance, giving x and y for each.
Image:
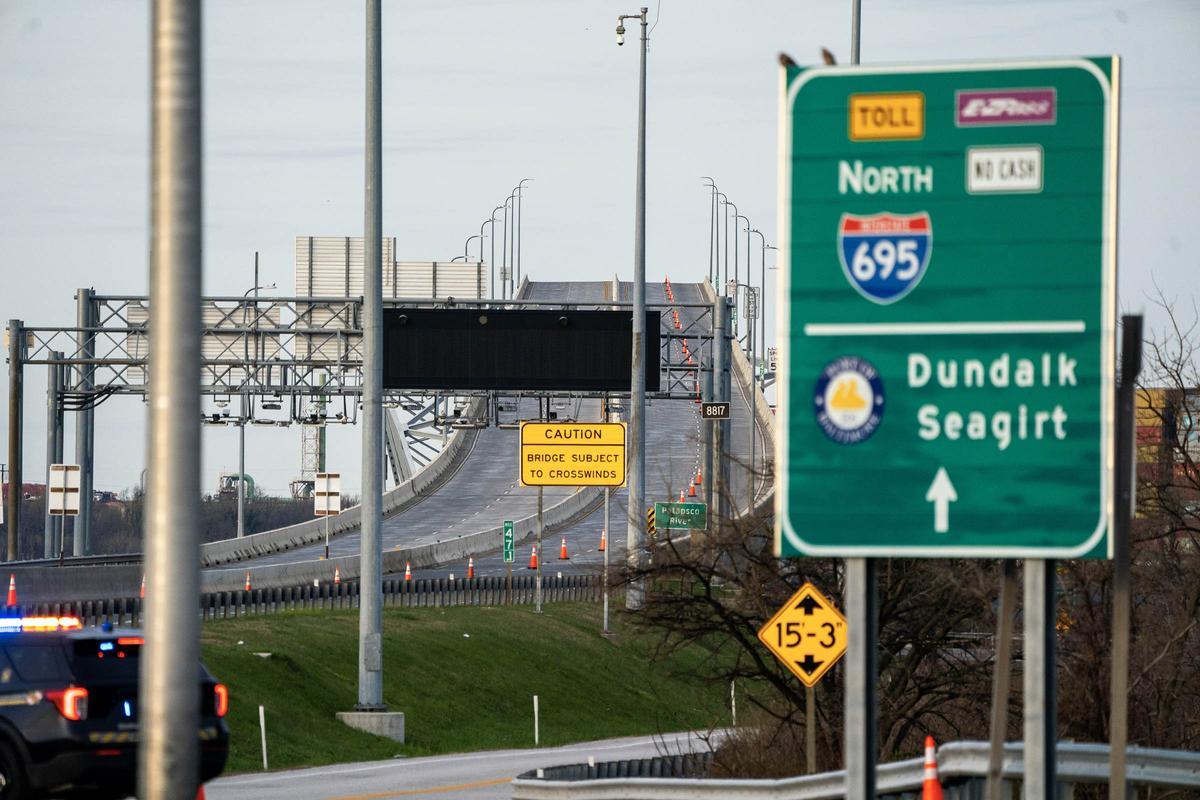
(1001, 677)
(1041, 718)
(607, 493)
(862, 674)
(810, 729)
(1131, 366)
(537, 591)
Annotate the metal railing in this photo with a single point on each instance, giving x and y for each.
(961, 765)
(437, 592)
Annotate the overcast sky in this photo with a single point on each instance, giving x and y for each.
(477, 95)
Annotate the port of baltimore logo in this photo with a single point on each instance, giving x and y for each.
(884, 255)
(848, 400)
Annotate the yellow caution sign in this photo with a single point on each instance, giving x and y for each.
(572, 454)
(808, 634)
(876, 117)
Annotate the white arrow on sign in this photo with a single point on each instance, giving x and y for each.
(941, 493)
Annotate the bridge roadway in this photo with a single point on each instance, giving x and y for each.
(484, 491)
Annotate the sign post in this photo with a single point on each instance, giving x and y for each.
(327, 499)
(946, 334)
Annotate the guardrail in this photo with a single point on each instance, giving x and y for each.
(490, 591)
(961, 765)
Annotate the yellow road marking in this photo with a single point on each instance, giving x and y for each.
(431, 790)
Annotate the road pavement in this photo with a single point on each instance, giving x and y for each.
(483, 491)
(465, 776)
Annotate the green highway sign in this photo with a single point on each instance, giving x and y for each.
(681, 515)
(509, 542)
(948, 310)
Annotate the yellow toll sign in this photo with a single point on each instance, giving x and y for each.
(887, 116)
(808, 634)
(572, 454)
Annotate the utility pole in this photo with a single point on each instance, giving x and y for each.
(370, 615)
(169, 703)
(635, 596)
(16, 373)
(862, 616)
(85, 432)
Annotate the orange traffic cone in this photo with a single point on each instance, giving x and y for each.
(407, 571)
(562, 552)
(681, 495)
(931, 789)
(691, 490)
(247, 586)
(699, 478)
(142, 591)
(603, 540)
(533, 558)
(470, 568)
(12, 590)
(337, 575)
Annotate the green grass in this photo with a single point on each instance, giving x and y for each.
(464, 678)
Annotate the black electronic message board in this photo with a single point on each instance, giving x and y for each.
(514, 349)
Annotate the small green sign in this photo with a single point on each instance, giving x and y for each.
(681, 515)
(509, 543)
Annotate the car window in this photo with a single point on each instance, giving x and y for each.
(39, 662)
(107, 658)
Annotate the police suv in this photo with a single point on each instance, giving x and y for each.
(69, 715)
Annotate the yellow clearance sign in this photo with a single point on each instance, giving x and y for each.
(878, 117)
(572, 454)
(808, 634)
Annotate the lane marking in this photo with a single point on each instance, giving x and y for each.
(431, 790)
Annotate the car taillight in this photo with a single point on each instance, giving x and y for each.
(71, 702)
(221, 699)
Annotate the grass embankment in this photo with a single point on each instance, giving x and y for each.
(463, 676)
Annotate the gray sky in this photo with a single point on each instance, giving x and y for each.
(478, 94)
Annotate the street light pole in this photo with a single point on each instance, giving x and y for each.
(712, 225)
(520, 186)
(727, 204)
(467, 244)
(492, 261)
(512, 244)
(634, 598)
(168, 703)
(370, 609)
(736, 319)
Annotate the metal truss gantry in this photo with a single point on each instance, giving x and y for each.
(292, 360)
